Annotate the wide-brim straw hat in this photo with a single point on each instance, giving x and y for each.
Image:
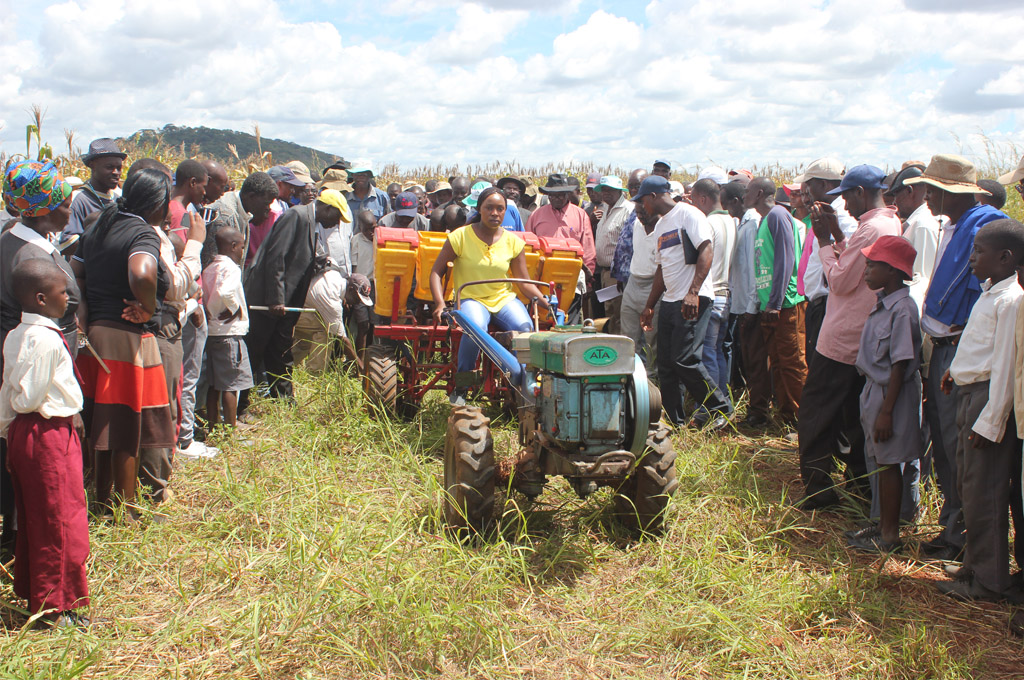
(951, 173)
(335, 179)
(1014, 176)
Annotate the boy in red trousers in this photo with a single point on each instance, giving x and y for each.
(39, 405)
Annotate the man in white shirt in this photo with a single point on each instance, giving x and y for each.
(616, 208)
(920, 227)
(642, 267)
(684, 256)
(706, 195)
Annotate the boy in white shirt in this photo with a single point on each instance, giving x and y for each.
(983, 372)
(228, 367)
(39, 405)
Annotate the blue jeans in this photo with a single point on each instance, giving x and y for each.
(714, 344)
(512, 317)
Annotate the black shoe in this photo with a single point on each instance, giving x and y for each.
(1017, 623)
(718, 424)
(818, 501)
(937, 544)
(863, 532)
(947, 554)
(754, 422)
(873, 543)
(969, 591)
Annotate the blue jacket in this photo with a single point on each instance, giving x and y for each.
(513, 220)
(954, 289)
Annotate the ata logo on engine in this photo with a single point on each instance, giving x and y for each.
(600, 356)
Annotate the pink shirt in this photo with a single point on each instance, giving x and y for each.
(571, 222)
(258, 234)
(850, 301)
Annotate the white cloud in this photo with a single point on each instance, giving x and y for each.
(741, 83)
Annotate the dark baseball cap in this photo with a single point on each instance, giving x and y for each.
(280, 173)
(653, 185)
(406, 204)
(899, 181)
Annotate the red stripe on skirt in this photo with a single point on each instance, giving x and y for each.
(128, 384)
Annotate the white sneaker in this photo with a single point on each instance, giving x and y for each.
(198, 450)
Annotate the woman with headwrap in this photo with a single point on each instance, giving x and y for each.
(40, 193)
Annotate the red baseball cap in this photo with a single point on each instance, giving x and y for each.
(895, 251)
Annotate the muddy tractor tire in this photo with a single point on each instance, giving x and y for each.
(469, 471)
(380, 380)
(641, 500)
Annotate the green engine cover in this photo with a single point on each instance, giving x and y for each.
(580, 353)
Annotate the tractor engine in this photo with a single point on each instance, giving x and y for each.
(593, 404)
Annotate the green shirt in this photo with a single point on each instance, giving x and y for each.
(776, 247)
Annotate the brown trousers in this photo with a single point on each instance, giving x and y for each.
(785, 341)
(755, 366)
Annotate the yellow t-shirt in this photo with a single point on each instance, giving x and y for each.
(476, 260)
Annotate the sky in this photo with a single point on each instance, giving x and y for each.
(735, 83)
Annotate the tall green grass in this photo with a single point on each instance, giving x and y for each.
(313, 548)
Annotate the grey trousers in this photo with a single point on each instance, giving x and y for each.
(984, 483)
(193, 343)
(611, 307)
(155, 464)
(634, 299)
(941, 413)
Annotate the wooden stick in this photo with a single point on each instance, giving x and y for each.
(263, 308)
(88, 346)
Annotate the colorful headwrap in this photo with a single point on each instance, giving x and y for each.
(35, 188)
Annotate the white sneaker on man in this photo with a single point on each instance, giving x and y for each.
(198, 450)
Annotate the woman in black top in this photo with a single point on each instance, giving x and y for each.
(122, 281)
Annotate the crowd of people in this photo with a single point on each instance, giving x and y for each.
(880, 315)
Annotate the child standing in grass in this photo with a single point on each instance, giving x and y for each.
(39, 405)
(983, 372)
(227, 358)
(890, 404)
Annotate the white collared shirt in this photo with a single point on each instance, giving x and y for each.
(39, 375)
(986, 351)
(609, 228)
(337, 243)
(223, 291)
(327, 296)
(922, 229)
(723, 225)
(644, 246)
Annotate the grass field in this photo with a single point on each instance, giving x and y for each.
(311, 548)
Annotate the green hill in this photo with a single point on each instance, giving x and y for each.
(214, 142)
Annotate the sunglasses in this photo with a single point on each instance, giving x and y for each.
(1020, 188)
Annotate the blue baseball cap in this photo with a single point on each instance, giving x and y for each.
(653, 185)
(406, 204)
(866, 176)
(660, 161)
(280, 173)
